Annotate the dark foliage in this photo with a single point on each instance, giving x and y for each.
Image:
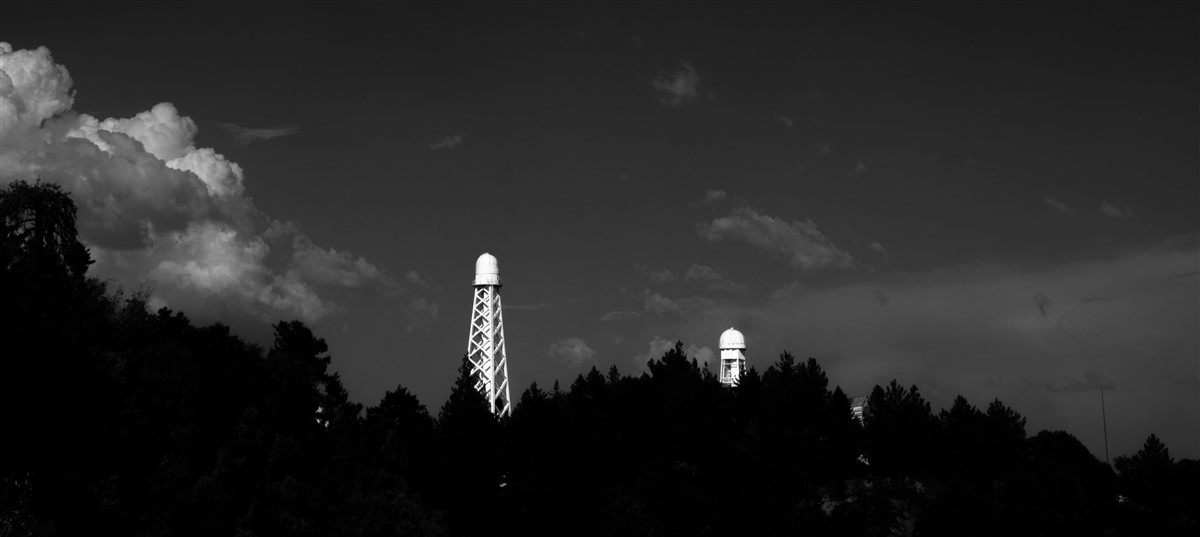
(129, 422)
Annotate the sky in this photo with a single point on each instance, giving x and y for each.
(993, 200)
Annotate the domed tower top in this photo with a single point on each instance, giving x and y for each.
(487, 270)
(732, 339)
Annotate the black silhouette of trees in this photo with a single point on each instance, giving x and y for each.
(126, 421)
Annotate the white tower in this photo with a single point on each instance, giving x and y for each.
(733, 356)
(485, 346)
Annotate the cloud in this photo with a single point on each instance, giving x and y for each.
(620, 315)
(815, 95)
(155, 208)
(686, 307)
(679, 86)
(247, 135)
(784, 120)
(1059, 206)
(799, 242)
(659, 346)
(214, 261)
(448, 142)
(860, 168)
(572, 351)
(32, 89)
(661, 305)
(415, 279)
(825, 150)
(701, 273)
(713, 195)
(332, 267)
(656, 276)
(886, 256)
(419, 313)
(714, 278)
(1114, 211)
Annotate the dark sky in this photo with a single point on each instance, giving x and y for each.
(997, 200)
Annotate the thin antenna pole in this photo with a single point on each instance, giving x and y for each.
(1104, 420)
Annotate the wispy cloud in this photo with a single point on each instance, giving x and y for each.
(448, 142)
(824, 149)
(799, 242)
(860, 168)
(679, 86)
(713, 195)
(660, 305)
(1114, 211)
(656, 276)
(815, 95)
(620, 315)
(701, 273)
(572, 351)
(1059, 206)
(247, 135)
(713, 278)
(884, 254)
(786, 121)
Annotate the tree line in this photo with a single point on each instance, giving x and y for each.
(126, 421)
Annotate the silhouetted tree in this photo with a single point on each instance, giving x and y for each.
(900, 430)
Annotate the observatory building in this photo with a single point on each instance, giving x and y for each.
(733, 356)
(485, 345)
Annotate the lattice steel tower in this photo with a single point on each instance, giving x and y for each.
(485, 346)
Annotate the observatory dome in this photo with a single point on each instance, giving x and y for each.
(487, 270)
(732, 339)
(487, 264)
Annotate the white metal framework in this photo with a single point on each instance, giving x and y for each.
(733, 357)
(485, 345)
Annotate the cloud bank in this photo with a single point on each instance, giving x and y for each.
(156, 209)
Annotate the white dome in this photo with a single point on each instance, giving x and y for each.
(487, 264)
(732, 339)
(487, 270)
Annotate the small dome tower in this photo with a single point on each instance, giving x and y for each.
(733, 356)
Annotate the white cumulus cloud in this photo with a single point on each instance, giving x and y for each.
(154, 208)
